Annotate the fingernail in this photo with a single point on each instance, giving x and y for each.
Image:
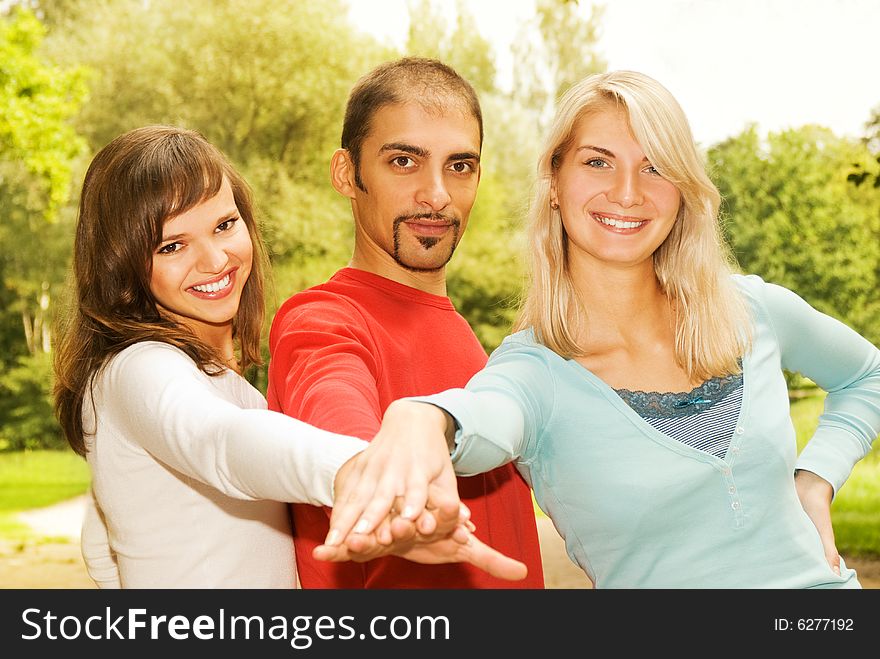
(332, 537)
(407, 512)
(361, 526)
(836, 569)
(464, 511)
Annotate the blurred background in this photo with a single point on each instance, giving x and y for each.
(783, 97)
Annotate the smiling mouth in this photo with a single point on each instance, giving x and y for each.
(618, 223)
(214, 287)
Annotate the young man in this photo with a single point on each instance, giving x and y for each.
(383, 328)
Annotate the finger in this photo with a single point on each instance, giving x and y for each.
(415, 495)
(426, 524)
(462, 534)
(446, 508)
(833, 559)
(383, 532)
(334, 554)
(361, 501)
(353, 489)
(365, 547)
(493, 561)
(402, 530)
(383, 501)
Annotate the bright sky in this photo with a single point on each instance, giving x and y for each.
(778, 63)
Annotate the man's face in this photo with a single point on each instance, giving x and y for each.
(419, 169)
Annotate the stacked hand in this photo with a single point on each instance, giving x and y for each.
(399, 496)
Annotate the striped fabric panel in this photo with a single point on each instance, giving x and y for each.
(708, 430)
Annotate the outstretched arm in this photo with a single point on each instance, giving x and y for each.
(408, 465)
(401, 473)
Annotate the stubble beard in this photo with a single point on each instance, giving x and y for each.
(427, 242)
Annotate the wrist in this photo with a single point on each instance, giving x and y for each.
(422, 416)
(442, 421)
(811, 485)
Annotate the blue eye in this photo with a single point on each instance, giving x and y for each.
(596, 162)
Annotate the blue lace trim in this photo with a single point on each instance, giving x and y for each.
(654, 404)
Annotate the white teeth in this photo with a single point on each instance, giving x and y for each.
(618, 224)
(213, 288)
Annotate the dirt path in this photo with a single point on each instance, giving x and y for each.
(54, 561)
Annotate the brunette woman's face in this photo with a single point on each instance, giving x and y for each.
(201, 266)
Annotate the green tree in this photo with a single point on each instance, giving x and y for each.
(265, 81)
(38, 149)
(457, 43)
(870, 174)
(38, 153)
(793, 218)
(554, 50)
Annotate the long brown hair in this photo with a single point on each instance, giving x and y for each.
(133, 186)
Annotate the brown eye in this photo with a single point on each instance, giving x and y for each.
(226, 225)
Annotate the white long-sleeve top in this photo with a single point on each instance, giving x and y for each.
(190, 475)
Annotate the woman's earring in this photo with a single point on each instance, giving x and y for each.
(554, 205)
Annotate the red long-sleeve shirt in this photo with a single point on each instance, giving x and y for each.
(340, 353)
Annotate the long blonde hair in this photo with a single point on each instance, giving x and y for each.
(693, 265)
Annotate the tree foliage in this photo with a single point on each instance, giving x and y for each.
(793, 218)
(554, 50)
(37, 100)
(267, 82)
(38, 152)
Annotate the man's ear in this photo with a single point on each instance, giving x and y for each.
(342, 173)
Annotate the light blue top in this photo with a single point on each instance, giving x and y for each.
(638, 509)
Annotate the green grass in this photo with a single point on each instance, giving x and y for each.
(33, 479)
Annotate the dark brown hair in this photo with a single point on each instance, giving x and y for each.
(133, 186)
(409, 79)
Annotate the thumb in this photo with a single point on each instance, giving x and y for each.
(833, 559)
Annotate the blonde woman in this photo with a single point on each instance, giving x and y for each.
(642, 394)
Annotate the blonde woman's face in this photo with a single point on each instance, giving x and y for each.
(616, 208)
(201, 266)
